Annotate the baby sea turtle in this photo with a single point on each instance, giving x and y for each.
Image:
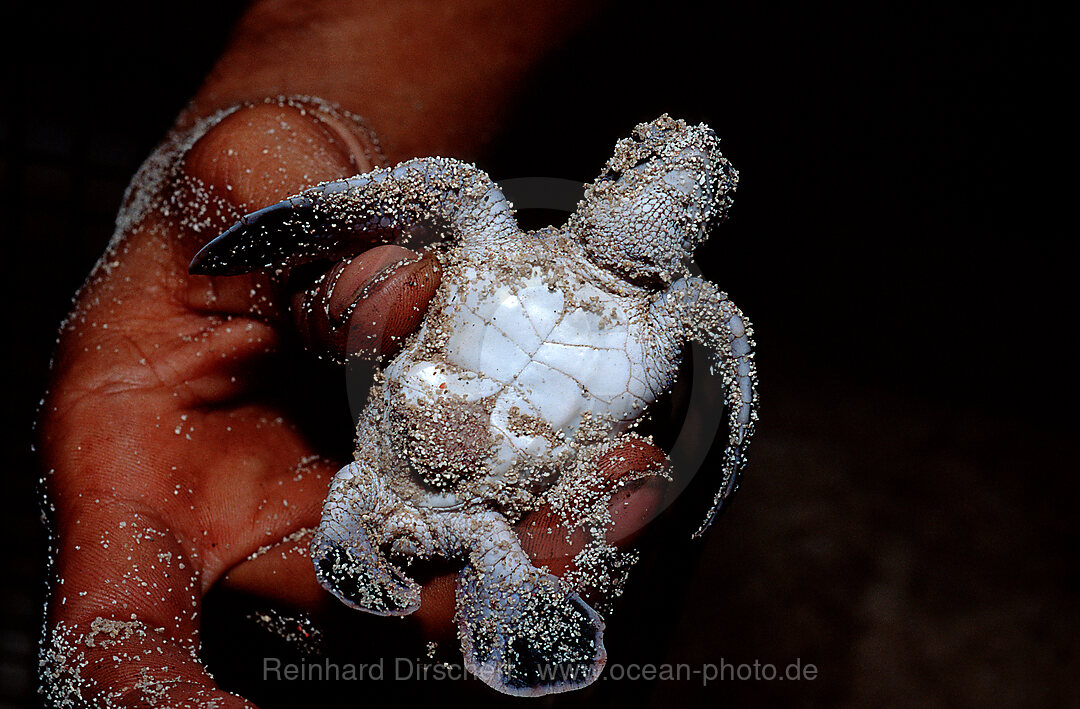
(538, 353)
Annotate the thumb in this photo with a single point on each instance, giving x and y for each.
(259, 155)
(251, 157)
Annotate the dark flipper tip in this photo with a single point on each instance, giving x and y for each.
(724, 495)
(535, 641)
(273, 237)
(366, 584)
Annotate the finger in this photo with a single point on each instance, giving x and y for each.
(257, 156)
(368, 304)
(629, 476)
(253, 157)
(281, 573)
(261, 153)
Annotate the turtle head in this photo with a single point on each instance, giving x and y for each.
(659, 194)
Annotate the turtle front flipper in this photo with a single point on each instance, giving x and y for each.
(415, 201)
(705, 314)
(522, 632)
(348, 561)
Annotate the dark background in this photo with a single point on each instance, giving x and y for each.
(906, 523)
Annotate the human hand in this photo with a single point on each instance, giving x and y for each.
(172, 468)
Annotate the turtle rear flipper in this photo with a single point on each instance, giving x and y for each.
(522, 632)
(362, 578)
(348, 560)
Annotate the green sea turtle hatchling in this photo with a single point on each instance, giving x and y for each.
(537, 354)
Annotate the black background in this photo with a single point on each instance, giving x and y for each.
(898, 239)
